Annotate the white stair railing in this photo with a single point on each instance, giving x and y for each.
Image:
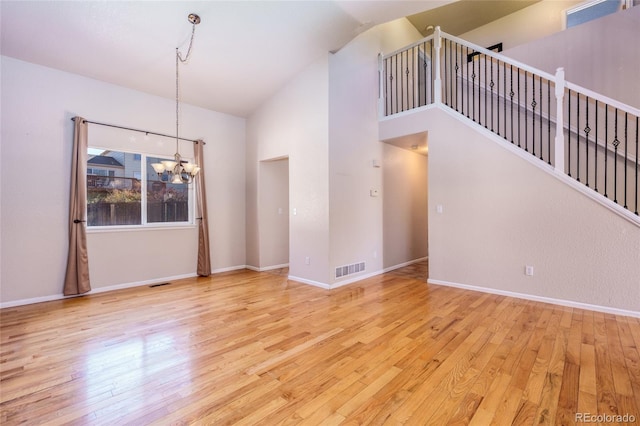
(581, 134)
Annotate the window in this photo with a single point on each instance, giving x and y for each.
(594, 9)
(124, 190)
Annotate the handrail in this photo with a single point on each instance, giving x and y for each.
(603, 98)
(410, 46)
(500, 57)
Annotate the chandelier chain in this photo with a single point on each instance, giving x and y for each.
(179, 59)
(177, 171)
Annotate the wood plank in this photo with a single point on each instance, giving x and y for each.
(247, 347)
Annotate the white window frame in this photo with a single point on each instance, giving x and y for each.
(623, 4)
(144, 225)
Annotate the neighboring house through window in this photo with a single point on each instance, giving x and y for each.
(124, 190)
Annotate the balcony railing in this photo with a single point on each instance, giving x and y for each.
(587, 136)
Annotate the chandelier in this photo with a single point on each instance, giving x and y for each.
(177, 170)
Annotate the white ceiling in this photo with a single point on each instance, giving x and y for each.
(244, 51)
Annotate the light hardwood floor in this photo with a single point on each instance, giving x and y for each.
(253, 348)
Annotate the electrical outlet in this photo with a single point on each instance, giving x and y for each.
(307, 260)
(528, 270)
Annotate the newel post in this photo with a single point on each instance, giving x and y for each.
(437, 83)
(381, 94)
(558, 159)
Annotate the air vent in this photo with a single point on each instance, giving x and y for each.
(354, 268)
(158, 285)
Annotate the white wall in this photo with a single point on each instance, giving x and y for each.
(405, 214)
(501, 213)
(37, 104)
(273, 182)
(529, 24)
(294, 124)
(601, 55)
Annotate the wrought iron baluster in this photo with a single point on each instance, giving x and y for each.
(636, 212)
(616, 142)
(457, 68)
(427, 81)
(540, 116)
(504, 95)
(578, 136)
(386, 86)
(511, 95)
(413, 77)
(533, 112)
(549, 122)
(606, 146)
(568, 135)
(396, 78)
(473, 90)
(445, 92)
(491, 84)
(595, 161)
(626, 146)
(519, 133)
(485, 91)
(432, 70)
(587, 130)
(479, 78)
(467, 51)
(406, 80)
(450, 83)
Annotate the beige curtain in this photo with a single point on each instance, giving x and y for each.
(204, 256)
(77, 277)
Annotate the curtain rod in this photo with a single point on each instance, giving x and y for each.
(138, 130)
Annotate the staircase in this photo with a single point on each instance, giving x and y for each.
(569, 130)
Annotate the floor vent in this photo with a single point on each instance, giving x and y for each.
(354, 268)
(158, 285)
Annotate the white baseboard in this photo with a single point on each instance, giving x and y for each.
(266, 268)
(356, 278)
(33, 300)
(310, 282)
(553, 301)
(402, 265)
(94, 291)
(230, 268)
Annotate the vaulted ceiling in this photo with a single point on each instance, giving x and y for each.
(244, 51)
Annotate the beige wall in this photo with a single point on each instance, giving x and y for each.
(273, 224)
(37, 104)
(356, 216)
(325, 122)
(537, 21)
(405, 220)
(601, 55)
(294, 124)
(500, 213)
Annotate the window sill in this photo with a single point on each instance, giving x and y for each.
(138, 228)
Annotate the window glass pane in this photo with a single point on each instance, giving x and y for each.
(113, 192)
(590, 11)
(166, 202)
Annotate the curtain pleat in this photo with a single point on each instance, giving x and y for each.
(204, 255)
(77, 276)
